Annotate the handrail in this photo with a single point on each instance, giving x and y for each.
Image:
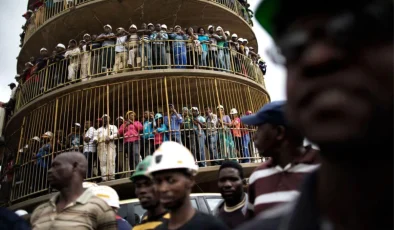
(133, 56)
(50, 9)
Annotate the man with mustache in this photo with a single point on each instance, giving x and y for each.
(148, 196)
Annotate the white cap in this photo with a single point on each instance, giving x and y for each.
(172, 155)
(133, 26)
(246, 40)
(120, 28)
(227, 32)
(234, 36)
(36, 138)
(164, 26)
(108, 194)
(220, 107)
(210, 26)
(89, 184)
(108, 25)
(42, 49)
(47, 134)
(77, 124)
(21, 212)
(233, 111)
(121, 118)
(240, 39)
(26, 146)
(60, 45)
(177, 26)
(150, 24)
(218, 28)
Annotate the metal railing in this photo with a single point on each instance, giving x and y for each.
(51, 9)
(146, 107)
(75, 65)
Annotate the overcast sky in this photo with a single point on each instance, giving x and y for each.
(11, 21)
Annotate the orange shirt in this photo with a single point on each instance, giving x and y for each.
(236, 127)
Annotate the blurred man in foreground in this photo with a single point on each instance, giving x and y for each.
(340, 95)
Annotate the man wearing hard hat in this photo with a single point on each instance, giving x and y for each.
(149, 197)
(111, 197)
(173, 169)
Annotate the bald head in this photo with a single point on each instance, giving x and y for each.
(76, 159)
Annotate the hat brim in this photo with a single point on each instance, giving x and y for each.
(138, 175)
(251, 120)
(265, 14)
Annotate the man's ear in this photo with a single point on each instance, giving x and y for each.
(191, 182)
(244, 181)
(281, 132)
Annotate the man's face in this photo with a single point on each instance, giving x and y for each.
(195, 113)
(72, 44)
(44, 53)
(94, 37)
(146, 192)
(265, 139)
(230, 184)
(120, 121)
(173, 187)
(105, 120)
(336, 95)
(61, 173)
(143, 26)
(234, 39)
(177, 30)
(88, 124)
(151, 27)
(211, 30)
(158, 28)
(207, 111)
(133, 30)
(107, 29)
(146, 115)
(86, 38)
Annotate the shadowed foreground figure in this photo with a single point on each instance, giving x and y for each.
(340, 96)
(68, 208)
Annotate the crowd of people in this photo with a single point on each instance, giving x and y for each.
(150, 47)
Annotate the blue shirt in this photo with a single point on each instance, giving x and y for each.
(200, 119)
(148, 130)
(203, 38)
(175, 123)
(44, 150)
(176, 36)
(122, 223)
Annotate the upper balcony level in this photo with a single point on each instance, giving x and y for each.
(134, 59)
(56, 21)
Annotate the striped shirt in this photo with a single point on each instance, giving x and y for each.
(270, 185)
(153, 222)
(89, 146)
(87, 212)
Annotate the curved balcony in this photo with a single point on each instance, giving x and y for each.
(52, 22)
(56, 71)
(66, 116)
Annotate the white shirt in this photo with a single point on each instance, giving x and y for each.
(13, 91)
(119, 44)
(90, 146)
(73, 54)
(211, 124)
(110, 131)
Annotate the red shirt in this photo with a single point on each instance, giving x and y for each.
(130, 132)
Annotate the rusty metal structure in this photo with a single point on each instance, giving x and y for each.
(58, 104)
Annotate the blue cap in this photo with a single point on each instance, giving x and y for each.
(272, 113)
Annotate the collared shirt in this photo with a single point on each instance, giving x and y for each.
(270, 185)
(153, 222)
(234, 217)
(175, 123)
(154, 35)
(301, 213)
(87, 212)
(110, 131)
(107, 42)
(211, 124)
(120, 44)
(90, 146)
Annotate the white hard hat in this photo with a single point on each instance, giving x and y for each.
(233, 111)
(120, 28)
(21, 150)
(108, 25)
(120, 118)
(172, 155)
(150, 24)
(86, 35)
(47, 134)
(26, 146)
(240, 39)
(60, 45)
(246, 40)
(210, 26)
(227, 32)
(234, 36)
(108, 194)
(77, 124)
(164, 26)
(218, 28)
(36, 138)
(42, 49)
(177, 26)
(21, 212)
(89, 184)
(133, 26)
(220, 107)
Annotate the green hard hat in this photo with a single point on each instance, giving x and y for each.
(142, 167)
(265, 13)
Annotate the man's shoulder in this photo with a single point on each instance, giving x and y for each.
(99, 204)
(271, 219)
(39, 210)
